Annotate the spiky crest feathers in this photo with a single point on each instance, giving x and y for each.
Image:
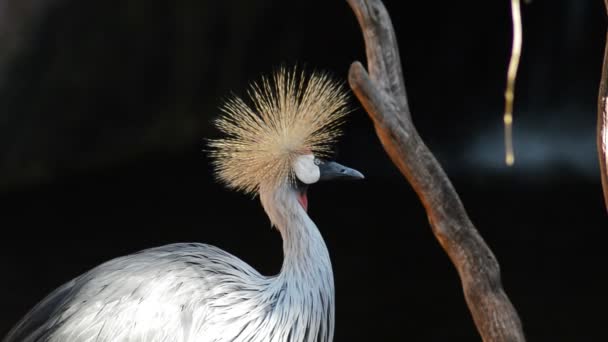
(289, 114)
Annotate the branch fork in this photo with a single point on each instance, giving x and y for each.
(382, 93)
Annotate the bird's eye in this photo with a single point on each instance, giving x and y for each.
(317, 161)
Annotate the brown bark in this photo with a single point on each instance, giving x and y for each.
(602, 121)
(382, 93)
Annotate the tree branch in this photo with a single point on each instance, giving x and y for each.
(602, 121)
(382, 94)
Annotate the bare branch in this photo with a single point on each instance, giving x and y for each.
(511, 77)
(382, 94)
(602, 121)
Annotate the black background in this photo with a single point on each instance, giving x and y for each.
(106, 104)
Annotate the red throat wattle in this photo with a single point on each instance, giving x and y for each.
(303, 199)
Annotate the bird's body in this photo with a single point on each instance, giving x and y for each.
(159, 294)
(197, 292)
(200, 293)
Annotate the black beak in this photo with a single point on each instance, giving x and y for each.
(332, 170)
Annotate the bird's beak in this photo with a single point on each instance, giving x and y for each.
(332, 170)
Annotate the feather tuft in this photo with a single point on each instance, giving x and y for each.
(289, 114)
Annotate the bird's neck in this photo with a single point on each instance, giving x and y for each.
(306, 274)
(303, 245)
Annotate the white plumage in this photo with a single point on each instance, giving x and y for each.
(197, 292)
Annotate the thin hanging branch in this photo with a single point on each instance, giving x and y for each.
(511, 76)
(382, 94)
(602, 121)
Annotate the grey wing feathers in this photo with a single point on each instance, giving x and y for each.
(37, 325)
(57, 309)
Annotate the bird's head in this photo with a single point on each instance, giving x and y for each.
(282, 136)
(309, 169)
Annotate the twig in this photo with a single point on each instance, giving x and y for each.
(602, 121)
(382, 94)
(511, 76)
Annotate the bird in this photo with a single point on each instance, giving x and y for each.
(276, 142)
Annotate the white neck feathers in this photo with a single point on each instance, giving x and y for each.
(306, 276)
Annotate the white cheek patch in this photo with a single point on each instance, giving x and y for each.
(306, 170)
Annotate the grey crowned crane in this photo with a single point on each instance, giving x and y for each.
(273, 147)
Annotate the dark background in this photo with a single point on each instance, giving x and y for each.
(105, 106)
